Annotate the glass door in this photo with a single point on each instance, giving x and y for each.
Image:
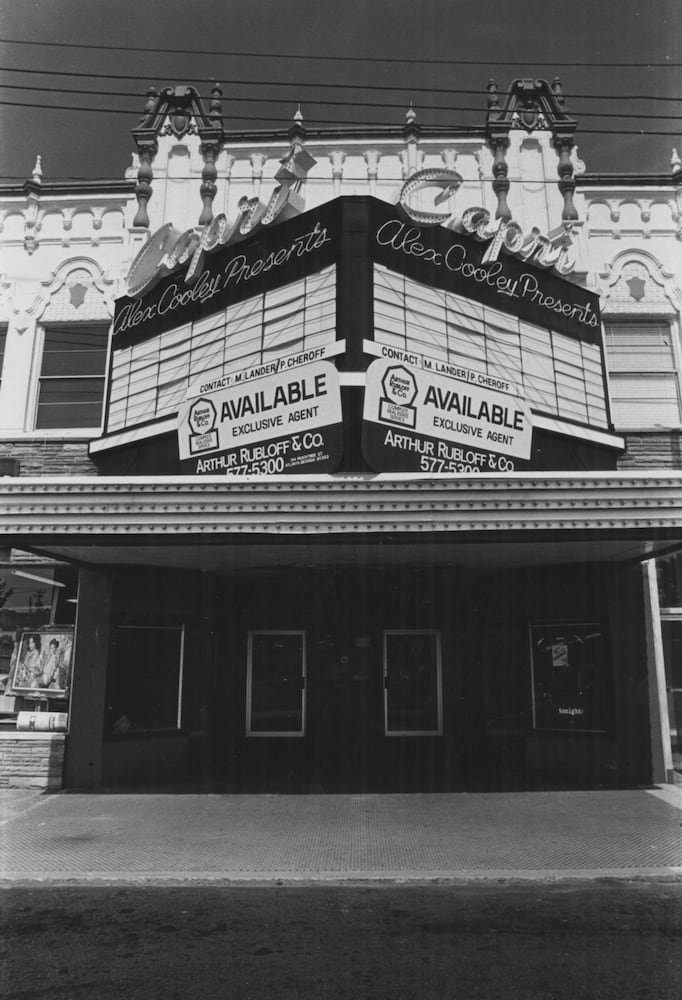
(276, 684)
(672, 652)
(412, 682)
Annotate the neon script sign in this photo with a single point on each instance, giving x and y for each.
(169, 249)
(408, 240)
(548, 251)
(238, 269)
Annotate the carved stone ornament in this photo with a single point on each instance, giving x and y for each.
(77, 293)
(177, 111)
(529, 104)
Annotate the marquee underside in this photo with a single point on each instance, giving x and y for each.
(231, 524)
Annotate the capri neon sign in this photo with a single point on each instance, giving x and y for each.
(546, 251)
(169, 249)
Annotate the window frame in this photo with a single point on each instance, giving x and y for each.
(439, 681)
(276, 733)
(624, 320)
(38, 379)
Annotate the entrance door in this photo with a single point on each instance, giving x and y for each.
(345, 723)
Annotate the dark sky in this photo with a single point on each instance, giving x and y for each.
(271, 54)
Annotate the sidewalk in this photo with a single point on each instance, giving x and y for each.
(90, 838)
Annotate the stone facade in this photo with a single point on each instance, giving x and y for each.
(31, 760)
(49, 457)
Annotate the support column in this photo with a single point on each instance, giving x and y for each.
(499, 145)
(84, 751)
(661, 750)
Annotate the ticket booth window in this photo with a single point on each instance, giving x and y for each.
(276, 684)
(412, 683)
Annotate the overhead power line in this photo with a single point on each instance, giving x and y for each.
(347, 178)
(320, 101)
(317, 121)
(325, 85)
(342, 59)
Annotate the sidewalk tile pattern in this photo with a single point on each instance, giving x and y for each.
(113, 835)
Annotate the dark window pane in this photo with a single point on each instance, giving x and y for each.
(412, 683)
(70, 403)
(77, 351)
(3, 342)
(669, 569)
(143, 684)
(75, 390)
(276, 683)
(672, 651)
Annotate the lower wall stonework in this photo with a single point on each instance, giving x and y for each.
(652, 450)
(49, 457)
(31, 760)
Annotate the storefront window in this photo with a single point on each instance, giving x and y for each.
(28, 597)
(412, 682)
(276, 684)
(144, 684)
(672, 652)
(569, 677)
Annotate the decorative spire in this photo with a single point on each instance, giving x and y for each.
(297, 131)
(675, 162)
(37, 175)
(410, 115)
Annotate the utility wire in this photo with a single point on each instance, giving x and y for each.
(317, 121)
(347, 178)
(320, 102)
(333, 86)
(343, 59)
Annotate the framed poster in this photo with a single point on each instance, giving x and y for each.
(569, 677)
(42, 663)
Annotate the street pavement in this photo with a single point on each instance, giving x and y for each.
(502, 939)
(132, 838)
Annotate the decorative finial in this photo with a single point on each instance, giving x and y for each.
(37, 175)
(151, 97)
(558, 92)
(298, 117)
(215, 107)
(493, 97)
(410, 114)
(675, 161)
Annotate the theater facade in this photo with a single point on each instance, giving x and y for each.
(357, 518)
